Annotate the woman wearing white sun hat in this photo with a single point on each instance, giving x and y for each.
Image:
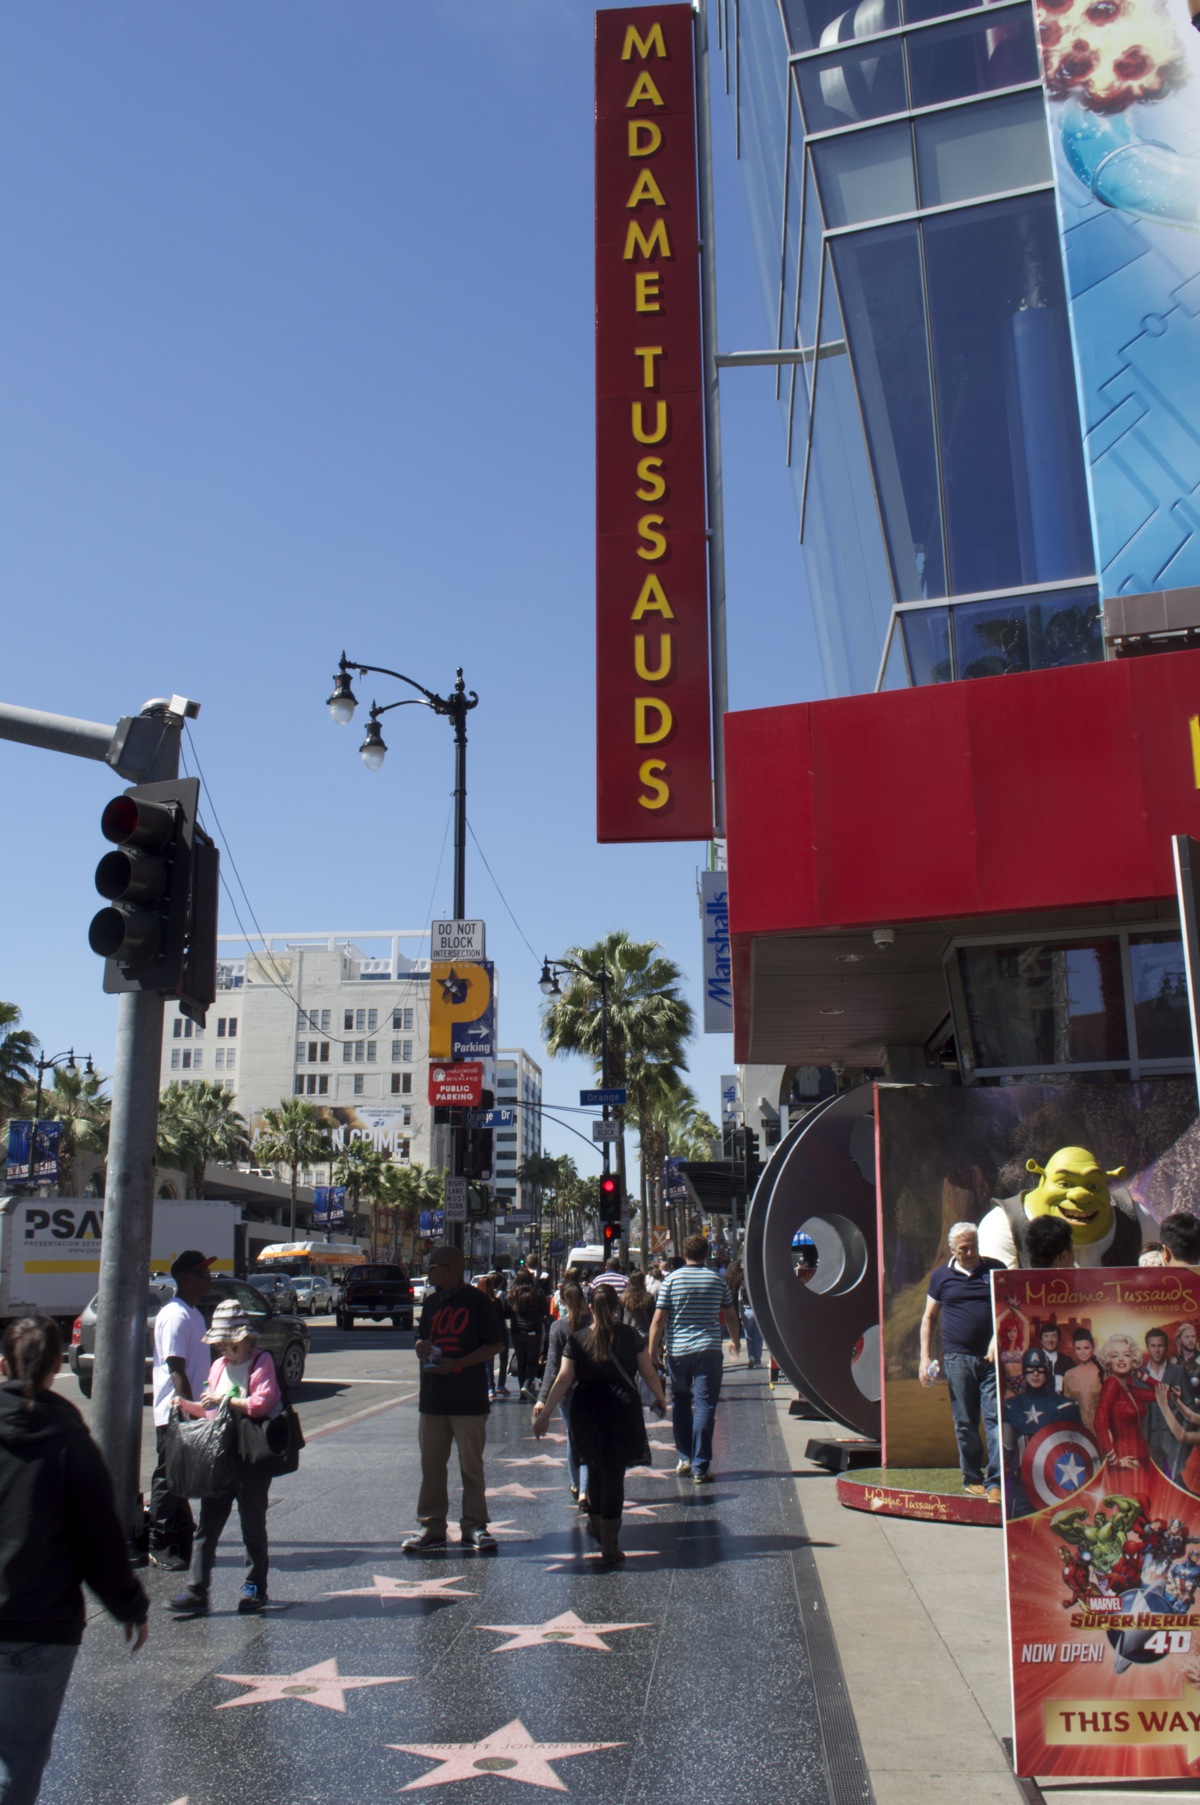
(242, 1376)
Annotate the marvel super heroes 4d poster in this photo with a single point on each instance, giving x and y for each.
(1099, 1396)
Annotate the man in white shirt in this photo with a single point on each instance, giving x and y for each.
(181, 1363)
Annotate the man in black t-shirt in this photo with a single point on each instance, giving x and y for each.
(961, 1291)
(459, 1334)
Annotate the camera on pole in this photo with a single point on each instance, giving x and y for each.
(159, 931)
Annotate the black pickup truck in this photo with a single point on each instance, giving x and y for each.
(375, 1293)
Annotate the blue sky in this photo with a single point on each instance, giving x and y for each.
(296, 354)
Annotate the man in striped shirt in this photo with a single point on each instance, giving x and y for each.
(692, 1305)
(612, 1275)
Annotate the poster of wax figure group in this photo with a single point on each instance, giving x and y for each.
(951, 1154)
(1102, 1521)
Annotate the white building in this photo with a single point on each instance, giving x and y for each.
(519, 1085)
(321, 1017)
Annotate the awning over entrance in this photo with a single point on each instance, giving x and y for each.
(1001, 805)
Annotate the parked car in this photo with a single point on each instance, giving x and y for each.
(280, 1287)
(376, 1292)
(421, 1289)
(313, 1296)
(284, 1337)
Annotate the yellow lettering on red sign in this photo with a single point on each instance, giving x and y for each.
(644, 733)
(646, 298)
(648, 353)
(655, 242)
(650, 471)
(650, 772)
(653, 41)
(644, 136)
(655, 545)
(664, 658)
(652, 600)
(644, 89)
(646, 189)
(638, 414)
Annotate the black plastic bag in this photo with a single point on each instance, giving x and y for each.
(201, 1455)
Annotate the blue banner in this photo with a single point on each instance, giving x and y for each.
(47, 1139)
(20, 1146)
(329, 1206)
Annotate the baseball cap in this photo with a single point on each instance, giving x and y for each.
(191, 1260)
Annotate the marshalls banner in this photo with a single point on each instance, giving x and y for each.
(1100, 1419)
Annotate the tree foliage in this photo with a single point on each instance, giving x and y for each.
(197, 1123)
(18, 1052)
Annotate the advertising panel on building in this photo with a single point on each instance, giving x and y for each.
(1123, 84)
(653, 728)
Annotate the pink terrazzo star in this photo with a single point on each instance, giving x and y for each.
(519, 1491)
(510, 1752)
(642, 1510)
(534, 1460)
(569, 1563)
(383, 1587)
(320, 1684)
(566, 1628)
(550, 1435)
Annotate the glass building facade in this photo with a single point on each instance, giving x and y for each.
(899, 170)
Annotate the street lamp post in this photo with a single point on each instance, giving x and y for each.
(456, 707)
(67, 1061)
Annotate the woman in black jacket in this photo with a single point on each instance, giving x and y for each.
(606, 1412)
(575, 1316)
(529, 1310)
(58, 1526)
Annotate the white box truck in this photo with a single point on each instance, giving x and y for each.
(50, 1248)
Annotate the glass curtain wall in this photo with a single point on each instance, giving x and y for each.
(933, 429)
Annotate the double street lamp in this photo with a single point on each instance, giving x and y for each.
(456, 707)
(67, 1062)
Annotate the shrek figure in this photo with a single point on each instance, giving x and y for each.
(1108, 1228)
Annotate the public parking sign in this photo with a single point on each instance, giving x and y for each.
(457, 1086)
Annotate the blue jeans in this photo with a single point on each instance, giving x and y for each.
(576, 1469)
(695, 1388)
(33, 1683)
(753, 1334)
(972, 1383)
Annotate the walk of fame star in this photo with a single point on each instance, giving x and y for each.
(383, 1587)
(320, 1684)
(642, 1510)
(534, 1460)
(566, 1628)
(569, 1563)
(510, 1751)
(652, 1472)
(549, 1435)
(518, 1491)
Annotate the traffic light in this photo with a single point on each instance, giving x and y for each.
(754, 1165)
(610, 1236)
(610, 1203)
(160, 929)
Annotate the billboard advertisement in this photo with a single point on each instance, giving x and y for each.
(653, 727)
(462, 1009)
(1123, 85)
(1102, 1523)
(950, 1154)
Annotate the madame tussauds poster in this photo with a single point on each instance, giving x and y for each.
(1102, 1521)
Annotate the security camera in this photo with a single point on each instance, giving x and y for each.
(883, 938)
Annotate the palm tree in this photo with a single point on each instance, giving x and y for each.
(294, 1135)
(77, 1101)
(198, 1123)
(681, 1128)
(410, 1189)
(648, 1019)
(360, 1167)
(17, 1049)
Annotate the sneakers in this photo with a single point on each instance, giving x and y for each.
(426, 1538)
(189, 1603)
(251, 1600)
(491, 1397)
(993, 1494)
(481, 1539)
(683, 1465)
(169, 1559)
(704, 1478)
(529, 1396)
(975, 1491)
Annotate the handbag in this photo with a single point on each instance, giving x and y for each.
(200, 1456)
(645, 1457)
(272, 1444)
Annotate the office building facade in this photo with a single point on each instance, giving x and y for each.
(519, 1087)
(976, 231)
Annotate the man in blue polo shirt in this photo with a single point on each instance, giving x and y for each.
(961, 1290)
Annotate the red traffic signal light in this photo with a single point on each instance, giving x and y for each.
(610, 1199)
(610, 1234)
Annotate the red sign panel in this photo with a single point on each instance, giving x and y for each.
(653, 730)
(456, 1086)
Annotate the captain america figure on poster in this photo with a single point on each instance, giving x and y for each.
(1023, 1417)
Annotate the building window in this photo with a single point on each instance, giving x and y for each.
(324, 1052)
(230, 1058)
(229, 1084)
(402, 1051)
(360, 1047)
(233, 1022)
(347, 1051)
(372, 1051)
(299, 1052)
(219, 1059)
(323, 1084)
(360, 1020)
(299, 1084)
(1160, 996)
(187, 1059)
(311, 1085)
(402, 1019)
(348, 1021)
(359, 1082)
(406, 1083)
(175, 1059)
(406, 1118)
(372, 1020)
(177, 1027)
(1041, 1004)
(197, 1059)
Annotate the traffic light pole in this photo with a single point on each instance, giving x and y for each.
(141, 748)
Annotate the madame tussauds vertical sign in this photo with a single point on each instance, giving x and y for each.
(653, 762)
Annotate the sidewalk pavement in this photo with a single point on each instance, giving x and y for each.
(762, 1645)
